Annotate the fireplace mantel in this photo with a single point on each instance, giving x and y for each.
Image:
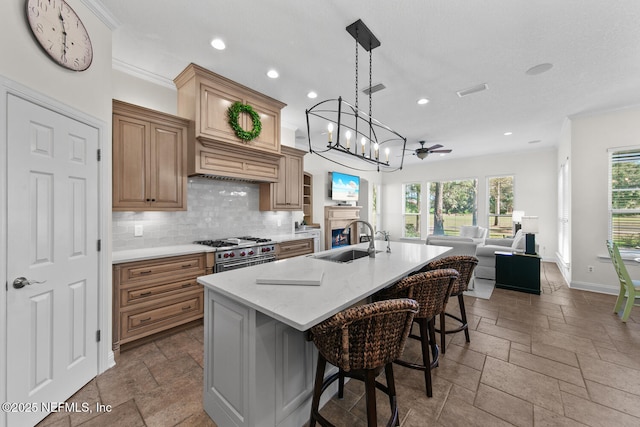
(337, 217)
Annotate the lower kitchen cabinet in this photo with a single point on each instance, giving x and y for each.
(155, 295)
(291, 248)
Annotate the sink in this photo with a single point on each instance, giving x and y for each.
(344, 256)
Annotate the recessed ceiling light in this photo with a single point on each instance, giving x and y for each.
(312, 95)
(218, 44)
(539, 69)
(508, 133)
(535, 141)
(423, 101)
(474, 89)
(273, 74)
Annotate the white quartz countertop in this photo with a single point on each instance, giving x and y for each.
(130, 255)
(343, 284)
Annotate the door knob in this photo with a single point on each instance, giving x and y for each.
(21, 282)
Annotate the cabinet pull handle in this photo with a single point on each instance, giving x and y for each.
(186, 265)
(186, 285)
(153, 200)
(146, 272)
(144, 294)
(186, 308)
(145, 320)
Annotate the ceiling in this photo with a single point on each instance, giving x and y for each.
(430, 48)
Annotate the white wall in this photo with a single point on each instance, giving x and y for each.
(133, 90)
(535, 180)
(591, 136)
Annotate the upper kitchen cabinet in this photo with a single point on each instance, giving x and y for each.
(149, 159)
(205, 97)
(286, 194)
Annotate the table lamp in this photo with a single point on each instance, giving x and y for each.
(516, 217)
(530, 227)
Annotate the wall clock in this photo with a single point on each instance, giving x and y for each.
(61, 33)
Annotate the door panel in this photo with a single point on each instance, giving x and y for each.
(52, 234)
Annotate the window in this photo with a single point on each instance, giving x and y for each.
(563, 214)
(500, 206)
(624, 199)
(452, 204)
(411, 210)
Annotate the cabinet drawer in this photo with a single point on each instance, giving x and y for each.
(187, 266)
(294, 248)
(172, 312)
(140, 294)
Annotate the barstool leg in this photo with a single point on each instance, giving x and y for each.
(443, 332)
(340, 385)
(391, 391)
(370, 393)
(463, 315)
(424, 341)
(317, 389)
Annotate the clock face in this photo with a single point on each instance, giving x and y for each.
(60, 33)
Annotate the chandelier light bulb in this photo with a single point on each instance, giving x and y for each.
(348, 136)
(375, 149)
(386, 154)
(363, 142)
(330, 129)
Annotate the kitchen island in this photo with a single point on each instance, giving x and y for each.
(258, 364)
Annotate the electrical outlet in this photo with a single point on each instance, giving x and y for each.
(590, 268)
(137, 230)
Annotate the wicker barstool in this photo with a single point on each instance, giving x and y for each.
(431, 291)
(361, 341)
(465, 265)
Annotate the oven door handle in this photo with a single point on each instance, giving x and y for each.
(231, 264)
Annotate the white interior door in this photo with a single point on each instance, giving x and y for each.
(52, 243)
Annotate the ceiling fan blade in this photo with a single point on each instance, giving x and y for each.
(433, 147)
(440, 151)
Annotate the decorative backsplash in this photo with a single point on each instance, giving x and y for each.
(216, 209)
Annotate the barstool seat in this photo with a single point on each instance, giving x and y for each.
(464, 265)
(431, 291)
(361, 341)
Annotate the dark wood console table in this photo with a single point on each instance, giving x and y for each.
(518, 272)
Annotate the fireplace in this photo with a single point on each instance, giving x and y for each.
(338, 239)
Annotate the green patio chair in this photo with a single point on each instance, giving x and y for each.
(628, 288)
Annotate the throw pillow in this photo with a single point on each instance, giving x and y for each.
(468, 231)
(519, 241)
(479, 232)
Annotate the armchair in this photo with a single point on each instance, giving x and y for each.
(486, 253)
(464, 244)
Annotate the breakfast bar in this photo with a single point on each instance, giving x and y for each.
(258, 363)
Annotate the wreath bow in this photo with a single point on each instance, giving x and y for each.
(234, 114)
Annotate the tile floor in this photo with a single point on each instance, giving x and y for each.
(558, 359)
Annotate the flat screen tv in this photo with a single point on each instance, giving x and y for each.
(344, 188)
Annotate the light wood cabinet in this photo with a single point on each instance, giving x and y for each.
(152, 296)
(286, 194)
(205, 97)
(307, 198)
(149, 159)
(291, 248)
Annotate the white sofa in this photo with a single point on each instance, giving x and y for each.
(486, 254)
(464, 244)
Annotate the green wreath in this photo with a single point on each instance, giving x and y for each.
(234, 113)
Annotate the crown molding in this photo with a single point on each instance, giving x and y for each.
(102, 13)
(119, 65)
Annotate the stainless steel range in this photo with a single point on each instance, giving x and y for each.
(238, 252)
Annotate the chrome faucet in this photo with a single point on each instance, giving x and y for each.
(372, 247)
(386, 239)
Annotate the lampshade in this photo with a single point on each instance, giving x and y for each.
(530, 224)
(517, 216)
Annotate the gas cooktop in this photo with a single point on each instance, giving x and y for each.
(231, 242)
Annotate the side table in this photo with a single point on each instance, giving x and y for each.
(518, 272)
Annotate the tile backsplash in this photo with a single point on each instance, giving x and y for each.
(216, 209)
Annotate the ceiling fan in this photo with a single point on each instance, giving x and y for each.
(423, 151)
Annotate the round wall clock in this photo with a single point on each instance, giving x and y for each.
(61, 33)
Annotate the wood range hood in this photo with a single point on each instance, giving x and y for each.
(213, 149)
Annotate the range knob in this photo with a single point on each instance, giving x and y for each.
(226, 255)
(250, 252)
(242, 254)
(232, 254)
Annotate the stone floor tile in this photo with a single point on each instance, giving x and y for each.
(545, 418)
(459, 413)
(148, 353)
(339, 417)
(200, 419)
(508, 334)
(610, 374)
(555, 353)
(594, 414)
(528, 385)
(574, 389)
(125, 414)
(462, 393)
(171, 369)
(504, 406)
(485, 344)
(457, 373)
(175, 345)
(596, 333)
(564, 341)
(480, 312)
(623, 359)
(546, 366)
(465, 356)
(614, 398)
(117, 386)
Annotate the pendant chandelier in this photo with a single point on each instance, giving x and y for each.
(354, 139)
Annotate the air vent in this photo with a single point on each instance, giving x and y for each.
(373, 89)
(474, 89)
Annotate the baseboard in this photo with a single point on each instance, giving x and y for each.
(111, 359)
(594, 287)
